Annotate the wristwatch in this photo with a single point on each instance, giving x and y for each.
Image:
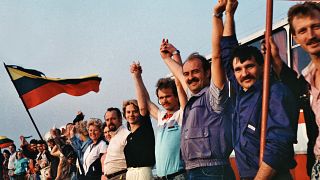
(218, 15)
(176, 52)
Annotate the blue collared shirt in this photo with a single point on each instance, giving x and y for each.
(280, 134)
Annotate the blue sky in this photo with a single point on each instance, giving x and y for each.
(69, 39)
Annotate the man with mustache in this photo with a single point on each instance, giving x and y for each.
(115, 166)
(244, 68)
(206, 126)
(304, 21)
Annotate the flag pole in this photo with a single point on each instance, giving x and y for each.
(266, 79)
(34, 124)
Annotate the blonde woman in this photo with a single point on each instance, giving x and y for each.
(91, 158)
(140, 147)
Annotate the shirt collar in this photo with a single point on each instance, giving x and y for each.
(201, 92)
(308, 72)
(257, 86)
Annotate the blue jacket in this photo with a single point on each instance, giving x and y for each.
(205, 134)
(280, 133)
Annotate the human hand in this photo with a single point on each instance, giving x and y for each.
(135, 68)
(274, 50)
(231, 6)
(23, 140)
(164, 52)
(53, 133)
(220, 6)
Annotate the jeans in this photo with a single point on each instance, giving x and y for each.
(219, 172)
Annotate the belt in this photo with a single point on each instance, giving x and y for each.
(247, 178)
(171, 175)
(109, 176)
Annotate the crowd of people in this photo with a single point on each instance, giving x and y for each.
(198, 123)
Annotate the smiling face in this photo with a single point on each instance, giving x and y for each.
(94, 133)
(132, 114)
(195, 76)
(307, 32)
(106, 133)
(40, 148)
(246, 73)
(168, 100)
(113, 121)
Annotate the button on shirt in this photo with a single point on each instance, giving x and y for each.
(206, 129)
(168, 143)
(309, 74)
(115, 160)
(279, 153)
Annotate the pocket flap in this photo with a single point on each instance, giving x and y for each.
(197, 133)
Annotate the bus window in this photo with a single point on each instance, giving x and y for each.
(280, 38)
(300, 58)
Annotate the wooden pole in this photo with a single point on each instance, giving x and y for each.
(266, 79)
(34, 124)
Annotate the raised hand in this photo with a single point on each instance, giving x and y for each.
(276, 61)
(231, 6)
(220, 6)
(164, 51)
(135, 68)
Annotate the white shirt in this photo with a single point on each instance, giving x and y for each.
(177, 116)
(115, 160)
(12, 158)
(92, 153)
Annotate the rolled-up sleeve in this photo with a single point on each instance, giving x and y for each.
(218, 98)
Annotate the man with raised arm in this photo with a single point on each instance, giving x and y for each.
(172, 98)
(244, 67)
(115, 166)
(304, 21)
(206, 125)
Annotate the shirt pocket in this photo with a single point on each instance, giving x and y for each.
(251, 145)
(172, 126)
(197, 143)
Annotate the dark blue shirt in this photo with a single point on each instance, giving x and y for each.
(280, 134)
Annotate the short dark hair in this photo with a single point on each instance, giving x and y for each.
(304, 9)
(164, 83)
(245, 52)
(41, 142)
(7, 152)
(104, 125)
(34, 141)
(117, 110)
(204, 61)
